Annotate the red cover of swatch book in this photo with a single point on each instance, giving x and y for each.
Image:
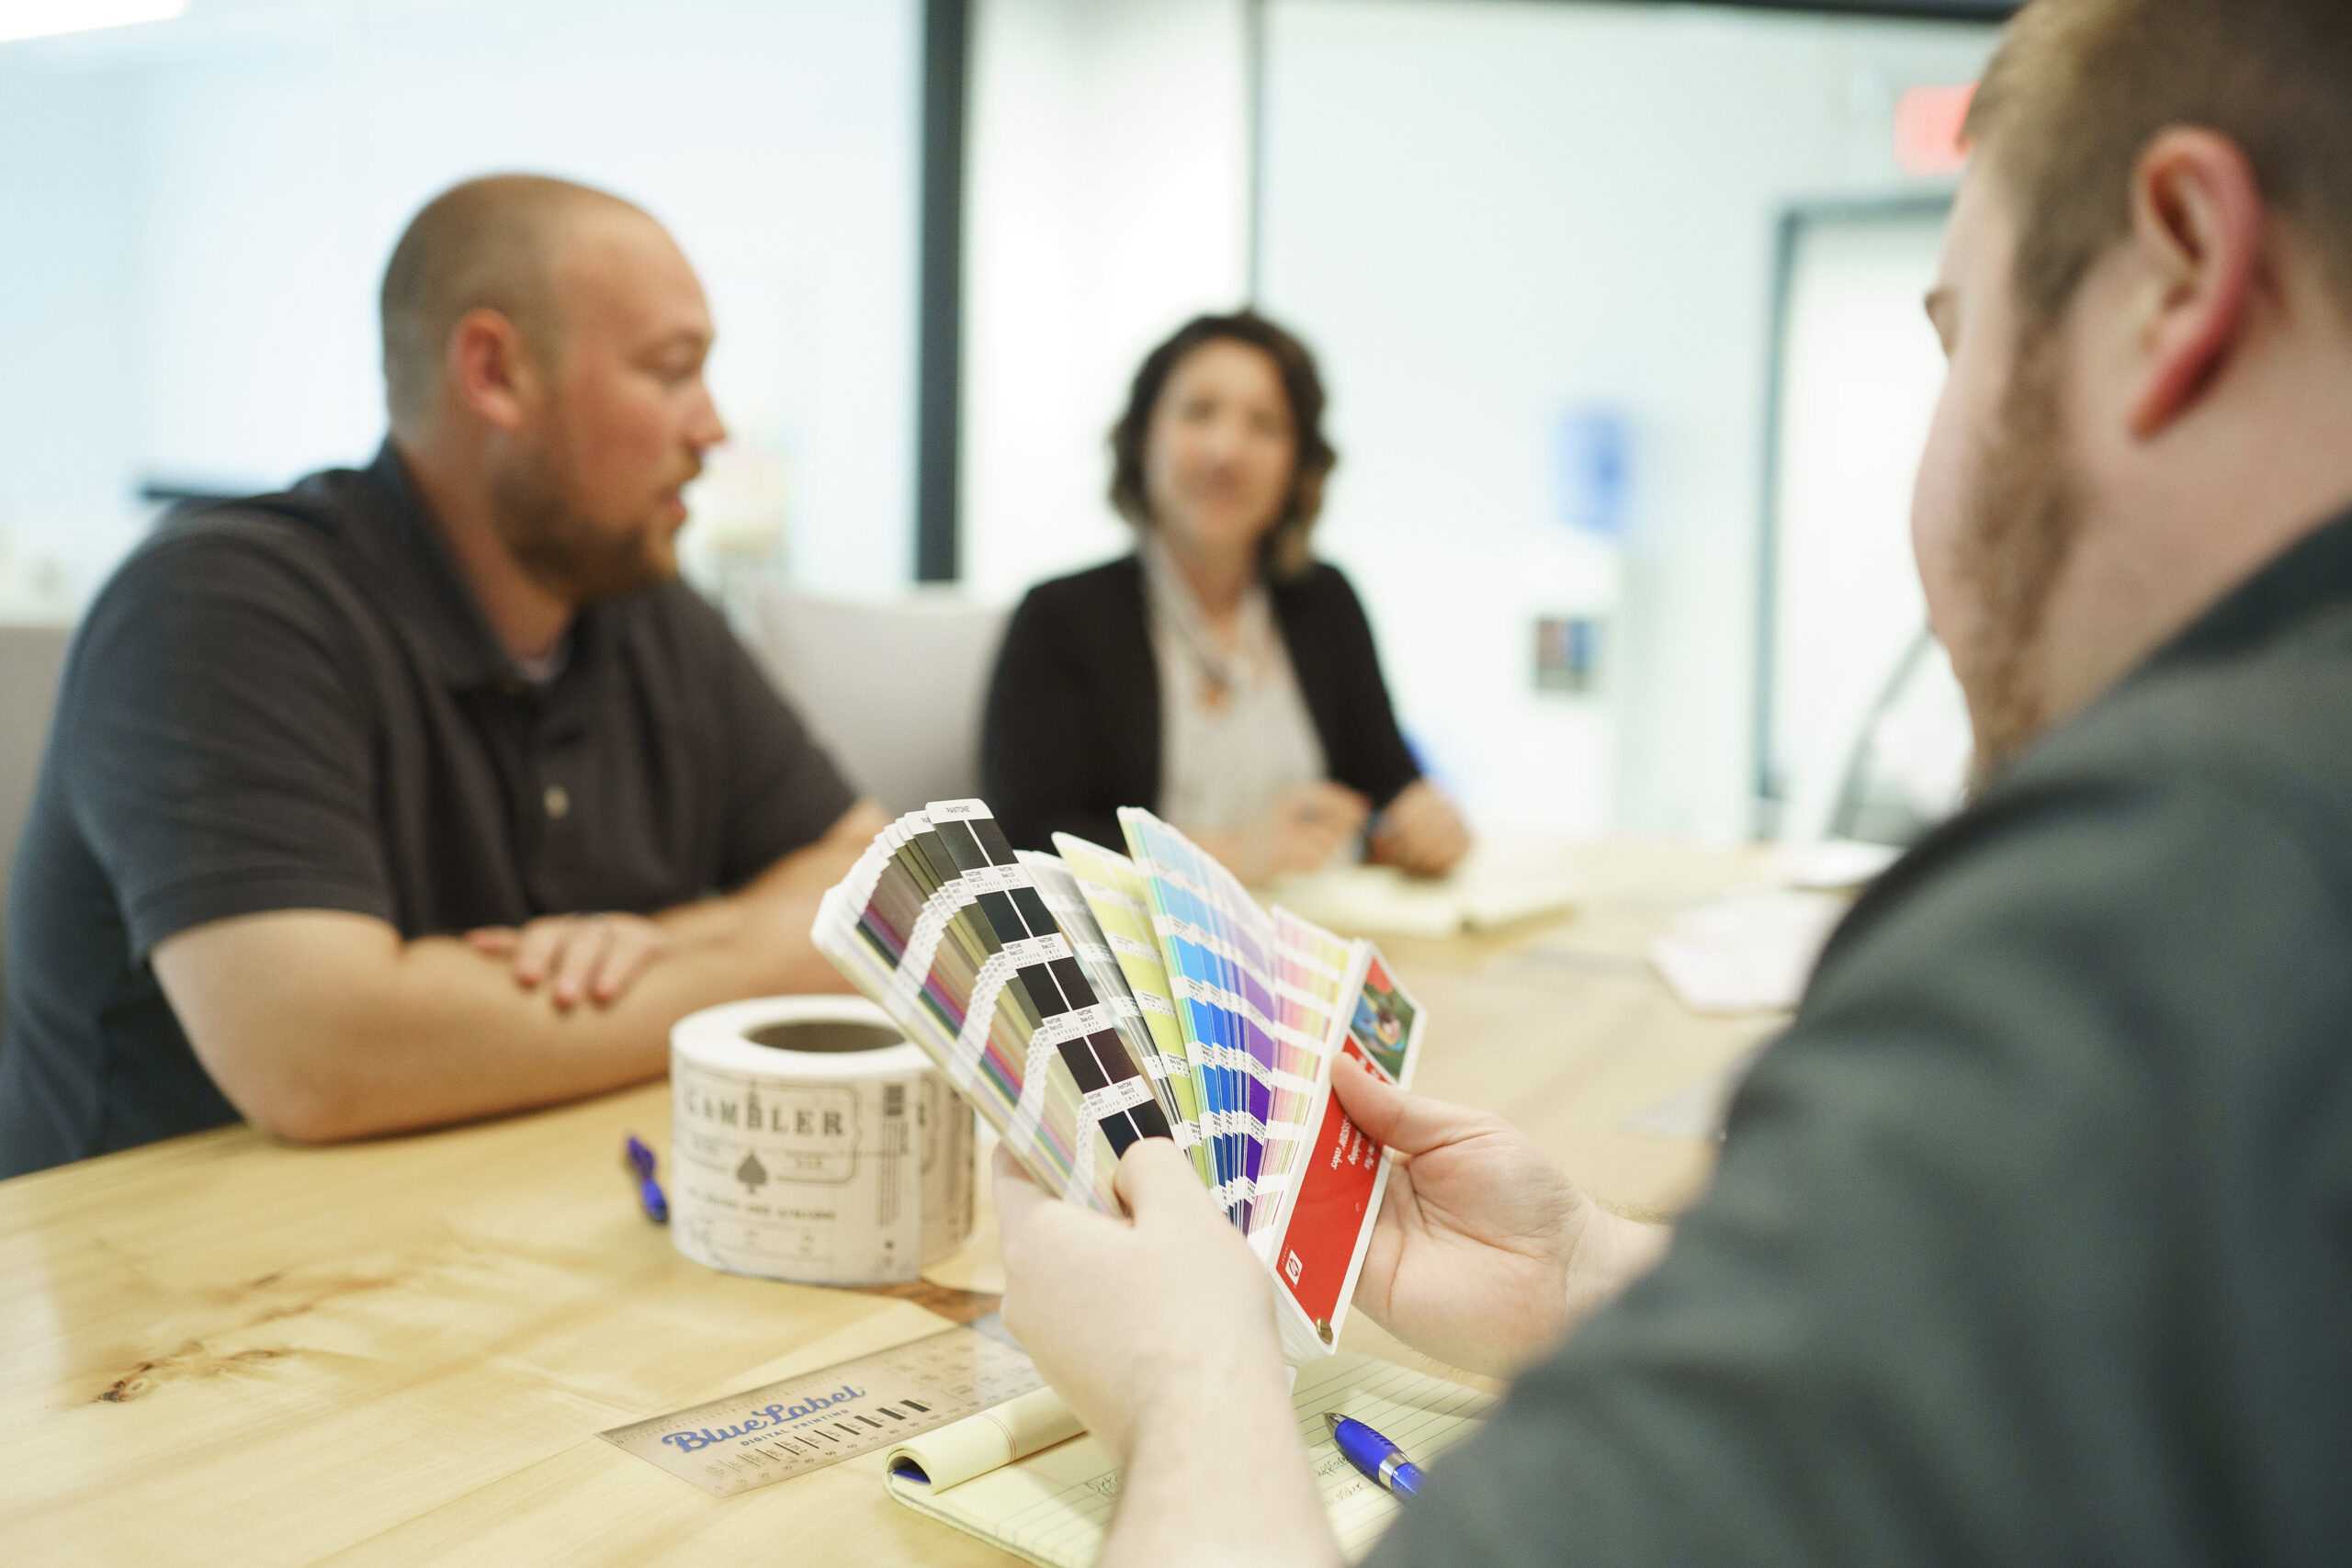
(1083, 999)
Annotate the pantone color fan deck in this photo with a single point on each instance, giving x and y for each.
(1084, 1000)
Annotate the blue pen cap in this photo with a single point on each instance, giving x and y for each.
(648, 1191)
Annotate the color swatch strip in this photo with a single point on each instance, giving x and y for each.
(1171, 1075)
(1084, 1002)
(941, 924)
(1118, 901)
(1313, 973)
(1258, 992)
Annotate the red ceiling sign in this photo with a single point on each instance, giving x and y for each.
(1927, 129)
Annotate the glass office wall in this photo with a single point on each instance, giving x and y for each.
(1535, 245)
(195, 214)
(1854, 714)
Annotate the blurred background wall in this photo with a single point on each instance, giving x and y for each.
(1616, 302)
(1523, 235)
(196, 214)
(1537, 246)
(1108, 172)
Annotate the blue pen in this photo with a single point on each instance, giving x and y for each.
(648, 1191)
(1374, 1455)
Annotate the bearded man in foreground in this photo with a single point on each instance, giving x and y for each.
(2032, 1239)
(425, 790)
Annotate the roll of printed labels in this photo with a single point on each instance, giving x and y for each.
(810, 1141)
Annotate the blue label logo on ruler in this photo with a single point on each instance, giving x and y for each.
(782, 1430)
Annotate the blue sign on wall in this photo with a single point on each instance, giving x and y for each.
(1593, 460)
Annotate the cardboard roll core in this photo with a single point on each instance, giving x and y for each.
(824, 1035)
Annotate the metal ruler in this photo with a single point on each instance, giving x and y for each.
(806, 1423)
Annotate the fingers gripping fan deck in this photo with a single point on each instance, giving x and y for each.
(1085, 1001)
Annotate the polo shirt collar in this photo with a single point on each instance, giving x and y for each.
(2314, 575)
(432, 596)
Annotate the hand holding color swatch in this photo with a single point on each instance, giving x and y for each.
(1085, 1002)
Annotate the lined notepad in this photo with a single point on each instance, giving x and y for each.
(1055, 1506)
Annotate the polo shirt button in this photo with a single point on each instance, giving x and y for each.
(558, 800)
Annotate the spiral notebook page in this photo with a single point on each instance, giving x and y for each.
(1055, 1507)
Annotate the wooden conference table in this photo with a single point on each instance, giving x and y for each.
(223, 1350)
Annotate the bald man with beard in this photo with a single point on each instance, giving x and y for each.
(2033, 1237)
(425, 790)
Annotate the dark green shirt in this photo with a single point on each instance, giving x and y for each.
(2032, 1241)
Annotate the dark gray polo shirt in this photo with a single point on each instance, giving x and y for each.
(292, 703)
(2032, 1241)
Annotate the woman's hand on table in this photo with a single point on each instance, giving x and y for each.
(1307, 826)
(1420, 832)
(1485, 1254)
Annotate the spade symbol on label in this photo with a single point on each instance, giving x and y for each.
(752, 1173)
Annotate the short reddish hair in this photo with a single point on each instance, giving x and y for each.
(2078, 89)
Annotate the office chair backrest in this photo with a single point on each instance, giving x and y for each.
(31, 658)
(894, 687)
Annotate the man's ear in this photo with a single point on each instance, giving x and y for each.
(491, 369)
(2197, 222)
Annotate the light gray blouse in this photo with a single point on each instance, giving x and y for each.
(1234, 732)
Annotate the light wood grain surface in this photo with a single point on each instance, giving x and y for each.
(223, 1350)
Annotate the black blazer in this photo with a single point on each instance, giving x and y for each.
(1072, 728)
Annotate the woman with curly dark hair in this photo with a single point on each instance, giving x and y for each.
(1220, 675)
